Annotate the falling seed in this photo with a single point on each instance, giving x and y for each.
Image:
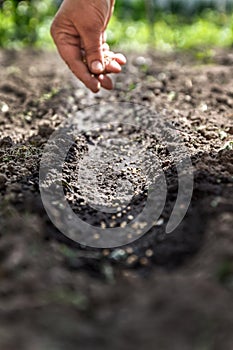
(160, 222)
(103, 225)
(129, 250)
(149, 253)
(112, 224)
(135, 225)
(144, 261)
(105, 252)
(123, 224)
(132, 259)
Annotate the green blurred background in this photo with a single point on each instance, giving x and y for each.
(163, 24)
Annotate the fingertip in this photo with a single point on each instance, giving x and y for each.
(97, 67)
(120, 58)
(89, 80)
(95, 89)
(113, 67)
(93, 84)
(105, 81)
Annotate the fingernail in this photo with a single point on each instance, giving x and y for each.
(97, 66)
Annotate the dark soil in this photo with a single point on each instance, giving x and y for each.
(164, 291)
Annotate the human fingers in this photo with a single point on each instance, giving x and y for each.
(120, 58)
(105, 81)
(92, 42)
(113, 62)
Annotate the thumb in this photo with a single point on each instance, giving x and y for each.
(93, 50)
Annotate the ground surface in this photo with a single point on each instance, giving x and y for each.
(164, 291)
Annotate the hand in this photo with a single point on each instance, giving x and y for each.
(78, 31)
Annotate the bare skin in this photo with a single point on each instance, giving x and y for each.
(78, 31)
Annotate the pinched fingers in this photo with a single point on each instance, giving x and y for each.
(105, 81)
(73, 58)
(113, 62)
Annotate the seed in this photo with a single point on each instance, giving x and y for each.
(132, 259)
(106, 252)
(130, 217)
(160, 222)
(112, 224)
(103, 225)
(123, 224)
(149, 253)
(129, 250)
(144, 261)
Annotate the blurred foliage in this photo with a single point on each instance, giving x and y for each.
(24, 23)
(169, 31)
(136, 9)
(165, 24)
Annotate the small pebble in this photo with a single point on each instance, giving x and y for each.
(140, 61)
(4, 107)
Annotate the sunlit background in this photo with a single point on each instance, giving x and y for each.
(162, 24)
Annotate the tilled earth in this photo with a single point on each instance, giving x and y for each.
(162, 291)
